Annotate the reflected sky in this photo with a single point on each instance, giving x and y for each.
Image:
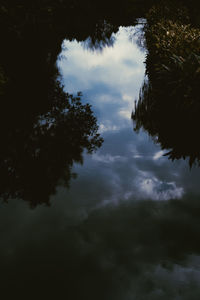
(128, 164)
(128, 226)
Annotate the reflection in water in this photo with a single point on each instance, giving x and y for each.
(43, 129)
(168, 107)
(130, 224)
(128, 227)
(129, 251)
(37, 156)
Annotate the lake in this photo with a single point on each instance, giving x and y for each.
(127, 225)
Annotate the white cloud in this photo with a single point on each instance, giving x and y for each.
(158, 155)
(125, 113)
(137, 156)
(107, 158)
(112, 77)
(108, 127)
(150, 187)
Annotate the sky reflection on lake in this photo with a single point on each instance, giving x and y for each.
(128, 226)
(129, 165)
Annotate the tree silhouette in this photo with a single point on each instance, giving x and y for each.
(43, 129)
(37, 155)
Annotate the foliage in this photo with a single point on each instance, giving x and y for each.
(169, 104)
(167, 39)
(37, 156)
(43, 129)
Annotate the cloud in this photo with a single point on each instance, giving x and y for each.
(155, 189)
(107, 158)
(159, 154)
(107, 126)
(136, 250)
(110, 80)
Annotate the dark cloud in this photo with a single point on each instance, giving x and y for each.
(133, 250)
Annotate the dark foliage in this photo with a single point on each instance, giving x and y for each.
(169, 104)
(43, 130)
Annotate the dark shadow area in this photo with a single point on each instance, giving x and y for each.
(38, 154)
(134, 248)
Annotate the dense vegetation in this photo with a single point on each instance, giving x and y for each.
(169, 104)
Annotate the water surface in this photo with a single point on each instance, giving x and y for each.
(128, 226)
